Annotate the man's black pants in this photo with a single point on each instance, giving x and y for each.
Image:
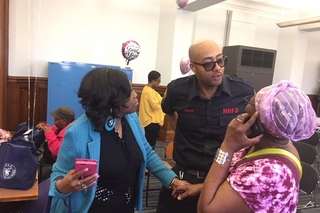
(169, 204)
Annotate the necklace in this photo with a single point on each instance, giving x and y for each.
(122, 132)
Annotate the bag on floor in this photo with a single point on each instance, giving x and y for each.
(18, 164)
(26, 131)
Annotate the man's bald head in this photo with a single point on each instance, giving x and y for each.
(196, 49)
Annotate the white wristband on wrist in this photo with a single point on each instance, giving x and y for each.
(221, 157)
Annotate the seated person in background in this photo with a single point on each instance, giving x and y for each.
(110, 133)
(268, 182)
(63, 117)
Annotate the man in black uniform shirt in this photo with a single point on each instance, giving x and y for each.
(200, 108)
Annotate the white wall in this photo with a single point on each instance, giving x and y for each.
(311, 71)
(93, 31)
(84, 31)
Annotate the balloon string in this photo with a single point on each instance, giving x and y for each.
(36, 66)
(179, 19)
(29, 65)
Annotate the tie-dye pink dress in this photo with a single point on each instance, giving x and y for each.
(268, 185)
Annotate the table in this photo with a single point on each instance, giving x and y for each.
(9, 195)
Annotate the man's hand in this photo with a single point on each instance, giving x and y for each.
(186, 190)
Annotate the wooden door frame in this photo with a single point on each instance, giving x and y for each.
(4, 53)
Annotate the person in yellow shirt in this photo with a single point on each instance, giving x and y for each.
(150, 112)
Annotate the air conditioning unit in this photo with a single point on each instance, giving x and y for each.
(251, 63)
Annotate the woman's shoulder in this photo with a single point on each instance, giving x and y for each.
(80, 123)
(274, 167)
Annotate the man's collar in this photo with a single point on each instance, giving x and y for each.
(224, 87)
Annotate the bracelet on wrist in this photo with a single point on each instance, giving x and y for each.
(221, 157)
(170, 186)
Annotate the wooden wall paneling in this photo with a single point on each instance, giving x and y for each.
(41, 100)
(4, 50)
(12, 107)
(20, 99)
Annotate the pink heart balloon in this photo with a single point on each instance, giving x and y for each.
(184, 65)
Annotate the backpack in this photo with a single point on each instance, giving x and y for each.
(26, 131)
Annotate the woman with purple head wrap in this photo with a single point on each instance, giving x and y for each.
(286, 111)
(262, 173)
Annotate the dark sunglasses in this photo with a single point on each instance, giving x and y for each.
(211, 65)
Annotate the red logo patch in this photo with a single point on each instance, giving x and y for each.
(230, 110)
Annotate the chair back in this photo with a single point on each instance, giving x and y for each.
(309, 179)
(306, 152)
(169, 150)
(313, 140)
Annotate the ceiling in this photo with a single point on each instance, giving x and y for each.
(287, 9)
(300, 6)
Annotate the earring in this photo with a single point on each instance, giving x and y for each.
(110, 123)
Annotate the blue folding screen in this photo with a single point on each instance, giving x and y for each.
(64, 80)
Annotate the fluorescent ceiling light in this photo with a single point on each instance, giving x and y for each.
(311, 20)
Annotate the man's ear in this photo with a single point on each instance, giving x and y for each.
(192, 67)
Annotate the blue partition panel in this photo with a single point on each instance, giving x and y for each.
(64, 80)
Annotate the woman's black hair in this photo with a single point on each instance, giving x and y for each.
(102, 92)
(153, 75)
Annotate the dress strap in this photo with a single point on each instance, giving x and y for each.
(277, 151)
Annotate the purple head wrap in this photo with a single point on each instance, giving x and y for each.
(286, 111)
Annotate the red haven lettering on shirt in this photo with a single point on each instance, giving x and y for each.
(189, 110)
